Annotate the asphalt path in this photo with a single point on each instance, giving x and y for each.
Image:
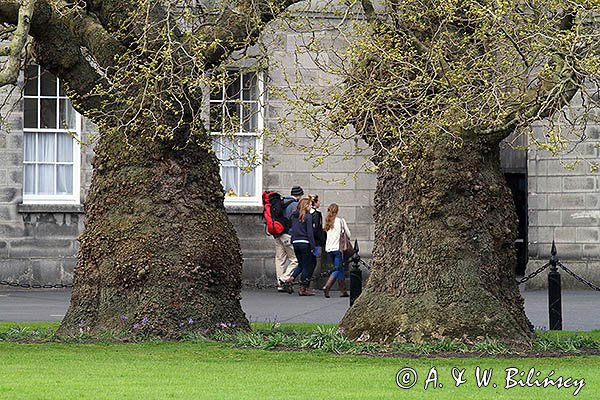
(580, 308)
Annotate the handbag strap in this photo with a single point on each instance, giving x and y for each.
(343, 225)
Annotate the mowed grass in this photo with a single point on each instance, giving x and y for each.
(208, 370)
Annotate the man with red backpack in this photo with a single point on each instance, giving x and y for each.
(277, 212)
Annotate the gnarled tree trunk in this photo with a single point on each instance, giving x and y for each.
(158, 254)
(443, 256)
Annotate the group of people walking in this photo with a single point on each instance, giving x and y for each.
(307, 237)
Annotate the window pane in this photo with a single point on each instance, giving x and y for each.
(29, 146)
(217, 93)
(232, 117)
(227, 153)
(61, 89)
(66, 115)
(233, 89)
(247, 150)
(64, 179)
(250, 117)
(31, 83)
(65, 148)
(217, 147)
(48, 113)
(250, 91)
(48, 84)
(45, 179)
(30, 113)
(216, 117)
(247, 145)
(247, 184)
(45, 147)
(29, 179)
(232, 109)
(229, 178)
(220, 149)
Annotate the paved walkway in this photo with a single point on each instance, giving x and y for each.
(581, 308)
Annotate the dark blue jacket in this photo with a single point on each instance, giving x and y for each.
(288, 210)
(303, 230)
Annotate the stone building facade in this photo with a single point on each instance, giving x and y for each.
(38, 238)
(38, 234)
(564, 207)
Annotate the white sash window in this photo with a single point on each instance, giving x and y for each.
(236, 121)
(51, 150)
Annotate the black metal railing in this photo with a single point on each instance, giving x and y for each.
(36, 285)
(555, 287)
(355, 263)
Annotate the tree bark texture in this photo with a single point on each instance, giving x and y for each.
(443, 256)
(158, 253)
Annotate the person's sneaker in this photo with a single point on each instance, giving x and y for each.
(285, 289)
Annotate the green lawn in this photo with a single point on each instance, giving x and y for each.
(206, 370)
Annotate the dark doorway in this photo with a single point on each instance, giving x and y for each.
(518, 185)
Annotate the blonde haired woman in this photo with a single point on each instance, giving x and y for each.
(334, 226)
(304, 244)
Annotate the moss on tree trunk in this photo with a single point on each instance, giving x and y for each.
(158, 254)
(443, 257)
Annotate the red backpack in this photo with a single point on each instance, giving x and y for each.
(273, 213)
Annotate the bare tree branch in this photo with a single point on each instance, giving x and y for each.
(14, 50)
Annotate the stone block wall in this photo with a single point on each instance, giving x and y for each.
(288, 165)
(339, 179)
(38, 243)
(564, 207)
(43, 245)
(258, 248)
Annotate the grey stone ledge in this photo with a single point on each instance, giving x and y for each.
(78, 208)
(243, 209)
(50, 208)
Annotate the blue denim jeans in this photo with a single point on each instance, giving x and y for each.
(338, 264)
(305, 263)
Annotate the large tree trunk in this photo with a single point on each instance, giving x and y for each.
(158, 254)
(443, 256)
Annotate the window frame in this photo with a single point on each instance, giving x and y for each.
(260, 99)
(75, 197)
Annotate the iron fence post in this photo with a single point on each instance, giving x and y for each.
(554, 293)
(355, 275)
